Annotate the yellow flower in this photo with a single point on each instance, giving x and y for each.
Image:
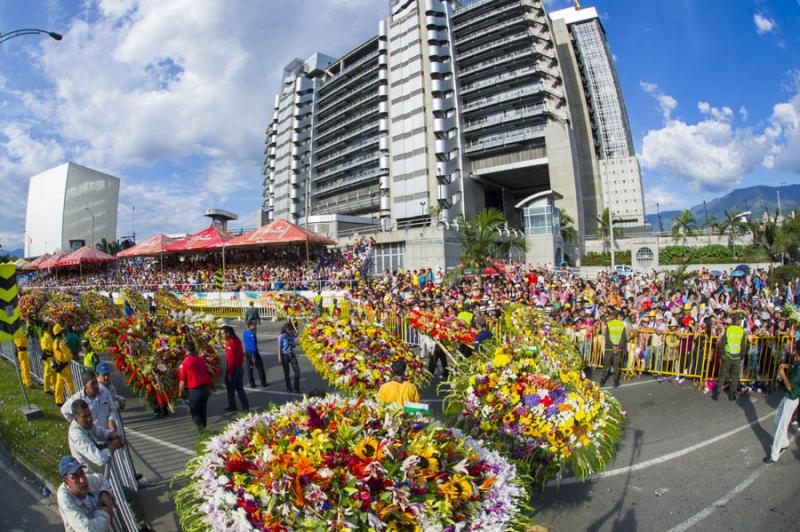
(369, 448)
(501, 360)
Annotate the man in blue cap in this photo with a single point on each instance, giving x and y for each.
(84, 500)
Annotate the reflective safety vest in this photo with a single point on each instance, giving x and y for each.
(318, 300)
(733, 340)
(466, 317)
(90, 359)
(615, 330)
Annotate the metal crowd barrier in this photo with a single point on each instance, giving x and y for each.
(123, 520)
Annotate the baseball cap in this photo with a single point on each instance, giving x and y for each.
(68, 465)
(103, 368)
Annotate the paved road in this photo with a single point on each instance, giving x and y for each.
(23, 508)
(685, 461)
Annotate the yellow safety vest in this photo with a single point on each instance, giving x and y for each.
(733, 339)
(615, 330)
(466, 317)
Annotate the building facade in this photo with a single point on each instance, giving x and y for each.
(598, 112)
(70, 206)
(452, 108)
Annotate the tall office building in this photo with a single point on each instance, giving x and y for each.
(68, 206)
(452, 108)
(598, 113)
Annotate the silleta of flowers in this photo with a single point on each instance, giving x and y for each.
(99, 307)
(137, 301)
(166, 300)
(293, 305)
(149, 350)
(337, 463)
(31, 304)
(544, 421)
(448, 330)
(355, 355)
(65, 310)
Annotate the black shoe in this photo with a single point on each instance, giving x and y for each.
(603, 381)
(139, 476)
(732, 397)
(768, 460)
(230, 409)
(616, 383)
(59, 405)
(252, 385)
(50, 393)
(265, 385)
(156, 414)
(715, 395)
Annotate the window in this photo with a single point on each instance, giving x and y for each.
(645, 257)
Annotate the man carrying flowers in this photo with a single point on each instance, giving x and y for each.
(398, 390)
(62, 356)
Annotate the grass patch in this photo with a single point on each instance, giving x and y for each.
(40, 443)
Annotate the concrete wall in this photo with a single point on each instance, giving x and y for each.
(590, 272)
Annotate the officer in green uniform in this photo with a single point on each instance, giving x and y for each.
(90, 358)
(733, 346)
(318, 303)
(466, 314)
(616, 347)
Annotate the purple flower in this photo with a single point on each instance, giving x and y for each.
(531, 400)
(558, 395)
(552, 410)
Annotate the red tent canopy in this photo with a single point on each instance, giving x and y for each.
(51, 261)
(209, 238)
(36, 264)
(85, 255)
(279, 232)
(152, 246)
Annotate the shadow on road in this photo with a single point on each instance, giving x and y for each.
(763, 435)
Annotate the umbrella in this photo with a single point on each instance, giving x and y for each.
(716, 273)
(742, 268)
(738, 273)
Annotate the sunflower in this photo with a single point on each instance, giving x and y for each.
(369, 447)
(298, 446)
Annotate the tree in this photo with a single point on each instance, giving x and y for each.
(603, 230)
(482, 239)
(112, 248)
(733, 225)
(683, 226)
(766, 235)
(788, 238)
(712, 223)
(568, 231)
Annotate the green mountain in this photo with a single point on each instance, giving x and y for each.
(754, 199)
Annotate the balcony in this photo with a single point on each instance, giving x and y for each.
(494, 62)
(505, 117)
(493, 81)
(483, 48)
(349, 149)
(348, 69)
(346, 123)
(350, 181)
(461, 14)
(323, 122)
(350, 134)
(335, 102)
(352, 163)
(502, 97)
(330, 87)
(489, 30)
(502, 139)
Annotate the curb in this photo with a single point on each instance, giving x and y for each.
(28, 479)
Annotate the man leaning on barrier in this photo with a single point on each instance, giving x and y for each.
(732, 348)
(100, 402)
(84, 500)
(90, 444)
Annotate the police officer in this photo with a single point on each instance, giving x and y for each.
(62, 356)
(318, 303)
(615, 348)
(90, 358)
(49, 376)
(732, 347)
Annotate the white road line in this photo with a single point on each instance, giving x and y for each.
(627, 385)
(660, 459)
(719, 503)
(159, 441)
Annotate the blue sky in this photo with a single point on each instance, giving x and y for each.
(173, 96)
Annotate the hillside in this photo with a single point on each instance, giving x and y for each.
(754, 199)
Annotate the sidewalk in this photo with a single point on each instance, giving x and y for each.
(22, 506)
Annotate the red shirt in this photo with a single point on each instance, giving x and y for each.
(234, 355)
(192, 372)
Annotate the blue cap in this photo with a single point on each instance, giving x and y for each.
(68, 465)
(103, 368)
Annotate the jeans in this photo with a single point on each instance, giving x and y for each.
(254, 359)
(236, 384)
(198, 405)
(291, 360)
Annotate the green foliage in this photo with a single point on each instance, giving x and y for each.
(783, 274)
(683, 226)
(604, 229)
(40, 443)
(481, 239)
(714, 254)
(568, 231)
(593, 258)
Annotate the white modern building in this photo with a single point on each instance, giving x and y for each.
(454, 107)
(70, 206)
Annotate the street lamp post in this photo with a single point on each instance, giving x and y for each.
(28, 31)
(87, 209)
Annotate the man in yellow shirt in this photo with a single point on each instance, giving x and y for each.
(49, 376)
(24, 362)
(62, 356)
(398, 390)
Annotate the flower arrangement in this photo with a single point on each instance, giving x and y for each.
(65, 310)
(99, 307)
(31, 304)
(168, 301)
(293, 305)
(137, 301)
(149, 350)
(337, 463)
(450, 331)
(524, 324)
(545, 421)
(355, 355)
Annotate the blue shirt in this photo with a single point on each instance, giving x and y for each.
(286, 344)
(250, 342)
(482, 336)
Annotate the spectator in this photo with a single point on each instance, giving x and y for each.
(84, 501)
(398, 390)
(91, 444)
(100, 402)
(789, 374)
(253, 356)
(287, 356)
(234, 371)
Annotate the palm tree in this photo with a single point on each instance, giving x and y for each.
(482, 239)
(603, 225)
(683, 226)
(712, 223)
(112, 248)
(787, 240)
(766, 235)
(568, 231)
(733, 225)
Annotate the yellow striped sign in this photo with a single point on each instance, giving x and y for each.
(219, 279)
(10, 322)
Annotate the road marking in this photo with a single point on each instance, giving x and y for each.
(660, 459)
(159, 441)
(719, 503)
(628, 384)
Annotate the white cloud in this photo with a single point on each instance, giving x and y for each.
(660, 196)
(785, 121)
(743, 113)
(725, 113)
(666, 103)
(763, 23)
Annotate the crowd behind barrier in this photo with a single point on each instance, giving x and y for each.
(120, 472)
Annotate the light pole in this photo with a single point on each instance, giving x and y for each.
(87, 209)
(133, 222)
(778, 192)
(28, 31)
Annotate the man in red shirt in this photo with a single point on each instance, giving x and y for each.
(193, 378)
(234, 371)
